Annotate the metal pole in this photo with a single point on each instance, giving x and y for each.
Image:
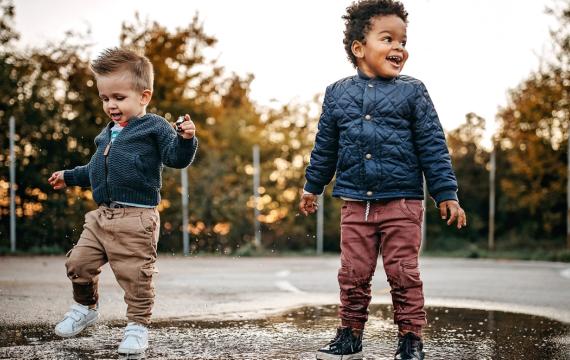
(320, 220)
(492, 170)
(424, 218)
(185, 235)
(12, 186)
(568, 196)
(257, 227)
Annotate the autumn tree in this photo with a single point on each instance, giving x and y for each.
(533, 139)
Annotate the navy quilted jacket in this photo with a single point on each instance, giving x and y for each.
(130, 170)
(379, 136)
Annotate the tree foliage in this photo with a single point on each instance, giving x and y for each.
(51, 93)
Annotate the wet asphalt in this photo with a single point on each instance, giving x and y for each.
(296, 334)
(272, 308)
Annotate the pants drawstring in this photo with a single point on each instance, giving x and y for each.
(367, 211)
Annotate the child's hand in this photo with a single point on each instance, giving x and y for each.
(56, 180)
(188, 129)
(456, 213)
(308, 204)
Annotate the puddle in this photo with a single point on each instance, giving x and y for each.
(452, 334)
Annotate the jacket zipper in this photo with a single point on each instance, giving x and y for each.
(106, 155)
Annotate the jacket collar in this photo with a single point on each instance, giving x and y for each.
(364, 77)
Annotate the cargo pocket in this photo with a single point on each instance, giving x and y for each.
(146, 285)
(409, 274)
(148, 223)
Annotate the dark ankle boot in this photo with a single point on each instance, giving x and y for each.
(410, 347)
(347, 345)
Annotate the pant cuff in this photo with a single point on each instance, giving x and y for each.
(85, 294)
(405, 328)
(142, 321)
(352, 324)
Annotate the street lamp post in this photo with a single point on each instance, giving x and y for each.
(320, 219)
(568, 196)
(12, 186)
(256, 171)
(492, 170)
(185, 235)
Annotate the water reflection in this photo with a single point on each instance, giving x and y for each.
(452, 334)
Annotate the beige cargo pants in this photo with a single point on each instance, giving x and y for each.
(127, 239)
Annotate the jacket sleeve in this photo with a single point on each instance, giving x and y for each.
(175, 151)
(322, 165)
(430, 145)
(79, 176)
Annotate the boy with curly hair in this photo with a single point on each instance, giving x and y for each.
(380, 134)
(125, 175)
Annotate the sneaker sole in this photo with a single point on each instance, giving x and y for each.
(356, 356)
(78, 330)
(132, 351)
(131, 356)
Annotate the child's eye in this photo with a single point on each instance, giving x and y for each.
(403, 43)
(120, 98)
(387, 39)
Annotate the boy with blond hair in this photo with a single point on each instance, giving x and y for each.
(125, 176)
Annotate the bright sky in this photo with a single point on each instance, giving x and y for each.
(468, 52)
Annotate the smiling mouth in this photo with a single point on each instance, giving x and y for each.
(395, 60)
(115, 116)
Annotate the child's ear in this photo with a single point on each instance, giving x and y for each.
(146, 96)
(357, 49)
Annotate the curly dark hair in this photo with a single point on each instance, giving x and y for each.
(358, 16)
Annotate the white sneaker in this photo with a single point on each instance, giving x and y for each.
(76, 319)
(135, 339)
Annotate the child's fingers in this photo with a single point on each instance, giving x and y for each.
(302, 207)
(462, 219)
(453, 215)
(443, 210)
(313, 207)
(188, 127)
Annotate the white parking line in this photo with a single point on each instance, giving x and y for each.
(287, 286)
(565, 273)
(283, 273)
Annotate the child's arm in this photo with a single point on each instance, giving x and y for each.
(78, 176)
(177, 151)
(429, 140)
(322, 165)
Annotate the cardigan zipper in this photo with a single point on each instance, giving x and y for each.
(106, 155)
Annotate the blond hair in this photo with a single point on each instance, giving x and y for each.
(115, 59)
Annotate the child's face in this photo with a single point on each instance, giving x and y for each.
(383, 52)
(120, 100)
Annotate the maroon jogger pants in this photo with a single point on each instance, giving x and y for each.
(392, 228)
